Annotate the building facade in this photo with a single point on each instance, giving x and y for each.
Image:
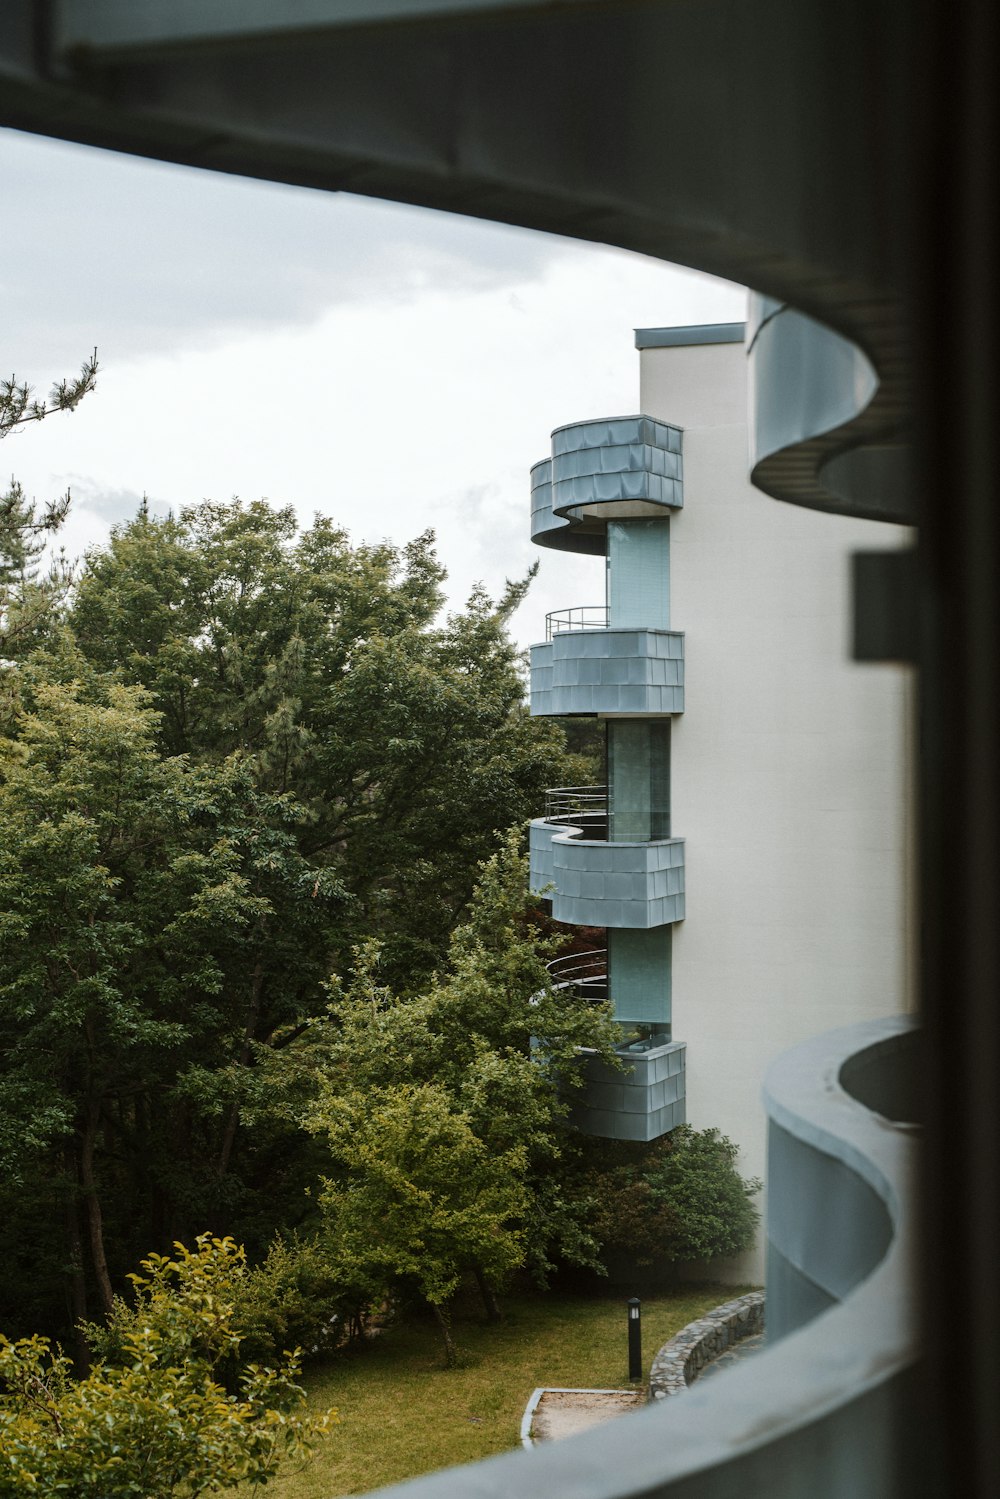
(749, 854)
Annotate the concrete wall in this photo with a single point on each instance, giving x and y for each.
(789, 770)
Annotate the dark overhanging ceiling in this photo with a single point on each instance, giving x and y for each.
(764, 142)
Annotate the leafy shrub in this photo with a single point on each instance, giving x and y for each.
(290, 1303)
(159, 1425)
(679, 1199)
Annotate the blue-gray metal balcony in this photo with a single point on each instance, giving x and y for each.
(616, 468)
(585, 666)
(646, 1097)
(594, 882)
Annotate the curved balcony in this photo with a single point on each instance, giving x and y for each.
(576, 617)
(595, 883)
(829, 1409)
(643, 1099)
(618, 468)
(587, 668)
(556, 531)
(586, 973)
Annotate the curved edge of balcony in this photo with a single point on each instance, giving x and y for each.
(827, 1410)
(596, 883)
(621, 669)
(557, 531)
(604, 469)
(824, 432)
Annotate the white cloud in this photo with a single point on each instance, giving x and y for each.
(409, 383)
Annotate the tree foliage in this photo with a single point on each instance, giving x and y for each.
(18, 404)
(26, 599)
(158, 1423)
(152, 914)
(405, 741)
(421, 1198)
(445, 1114)
(681, 1198)
(242, 751)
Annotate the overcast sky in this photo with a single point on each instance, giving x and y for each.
(392, 367)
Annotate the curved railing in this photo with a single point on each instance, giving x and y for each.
(584, 972)
(827, 1410)
(582, 807)
(579, 617)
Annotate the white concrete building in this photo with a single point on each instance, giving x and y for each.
(788, 775)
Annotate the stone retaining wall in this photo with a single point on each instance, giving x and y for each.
(680, 1361)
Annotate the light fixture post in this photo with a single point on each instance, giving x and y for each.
(634, 1338)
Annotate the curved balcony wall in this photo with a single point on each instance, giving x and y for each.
(616, 671)
(811, 402)
(551, 530)
(827, 1411)
(541, 872)
(618, 468)
(643, 1101)
(830, 1219)
(607, 884)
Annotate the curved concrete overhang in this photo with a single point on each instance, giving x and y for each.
(814, 402)
(610, 468)
(821, 1412)
(762, 161)
(626, 671)
(595, 883)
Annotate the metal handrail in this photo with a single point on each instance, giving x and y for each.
(566, 803)
(586, 972)
(578, 617)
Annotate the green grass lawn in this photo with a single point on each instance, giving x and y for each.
(403, 1413)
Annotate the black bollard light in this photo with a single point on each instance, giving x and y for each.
(634, 1338)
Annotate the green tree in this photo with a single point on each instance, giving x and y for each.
(486, 1060)
(405, 740)
(26, 599)
(244, 751)
(421, 1199)
(159, 1423)
(18, 404)
(153, 916)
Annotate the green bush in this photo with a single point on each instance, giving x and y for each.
(290, 1303)
(159, 1424)
(681, 1198)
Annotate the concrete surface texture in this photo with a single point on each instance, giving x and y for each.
(563, 1413)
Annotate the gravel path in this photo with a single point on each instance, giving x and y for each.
(562, 1413)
